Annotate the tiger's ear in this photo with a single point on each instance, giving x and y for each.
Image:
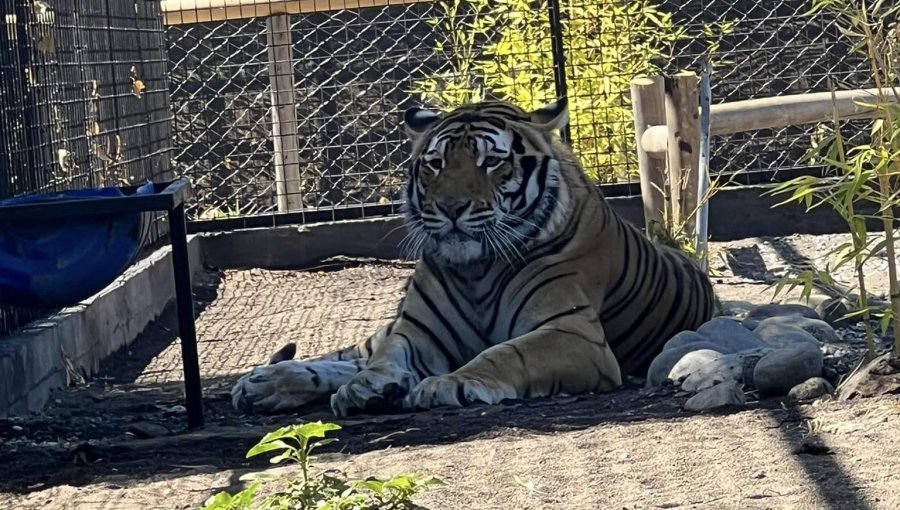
(552, 116)
(416, 121)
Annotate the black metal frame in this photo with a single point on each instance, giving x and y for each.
(167, 196)
(558, 47)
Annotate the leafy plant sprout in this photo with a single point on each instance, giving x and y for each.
(294, 444)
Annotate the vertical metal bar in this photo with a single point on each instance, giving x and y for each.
(186, 329)
(703, 167)
(29, 101)
(558, 45)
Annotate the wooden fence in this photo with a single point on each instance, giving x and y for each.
(667, 136)
(182, 12)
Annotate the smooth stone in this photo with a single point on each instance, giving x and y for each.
(811, 389)
(752, 320)
(730, 334)
(728, 367)
(749, 360)
(831, 309)
(684, 338)
(694, 361)
(735, 308)
(776, 334)
(819, 329)
(723, 394)
(721, 370)
(780, 370)
(662, 364)
(814, 301)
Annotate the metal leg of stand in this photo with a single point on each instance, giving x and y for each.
(186, 329)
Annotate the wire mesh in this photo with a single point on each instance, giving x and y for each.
(765, 49)
(83, 101)
(328, 135)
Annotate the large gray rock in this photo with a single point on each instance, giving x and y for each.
(811, 389)
(701, 360)
(730, 334)
(830, 309)
(748, 361)
(663, 363)
(725, 368)
(780, 370)
(752, 320)
(723, 394)
(819, 329)
(684, 338)
(738, 366)
(779, 334)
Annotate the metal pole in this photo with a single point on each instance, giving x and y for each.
(559, 59)
(186, 330)
(703, 178)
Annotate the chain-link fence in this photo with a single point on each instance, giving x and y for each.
(83, 101)
(300, 111)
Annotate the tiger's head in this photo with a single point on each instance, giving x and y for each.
(484, 180)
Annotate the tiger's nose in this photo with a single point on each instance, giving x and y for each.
(453, 208)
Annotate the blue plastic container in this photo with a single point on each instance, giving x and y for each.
(57, 263)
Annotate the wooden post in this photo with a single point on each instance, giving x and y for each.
(647, 103)
(683, 151)
(284, 113)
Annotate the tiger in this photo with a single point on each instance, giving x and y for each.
(526, 282)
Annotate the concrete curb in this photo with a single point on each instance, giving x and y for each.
(299, 246)
(32, 361)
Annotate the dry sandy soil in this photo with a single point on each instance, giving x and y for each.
(626, 450)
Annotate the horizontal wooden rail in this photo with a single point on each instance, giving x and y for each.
(182, 12)
(776, 112)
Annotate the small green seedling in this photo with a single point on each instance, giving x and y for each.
(330, 490)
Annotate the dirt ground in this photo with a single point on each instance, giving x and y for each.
(625, 450)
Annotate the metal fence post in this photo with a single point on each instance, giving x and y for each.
(558, 43)
(284, 113)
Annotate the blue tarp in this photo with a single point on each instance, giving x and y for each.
(59, 262)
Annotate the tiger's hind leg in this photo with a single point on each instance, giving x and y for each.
(541, 363)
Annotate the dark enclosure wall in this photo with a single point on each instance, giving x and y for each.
(84, 101)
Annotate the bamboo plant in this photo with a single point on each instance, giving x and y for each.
(864, 174)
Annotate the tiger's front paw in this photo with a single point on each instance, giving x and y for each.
(279, 388)
(457, 391)
(373, 390)
(291, 384)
